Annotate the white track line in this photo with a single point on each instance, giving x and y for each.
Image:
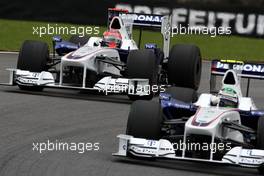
(9, 52)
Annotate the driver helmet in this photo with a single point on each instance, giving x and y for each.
(112, 39)
(228, 98)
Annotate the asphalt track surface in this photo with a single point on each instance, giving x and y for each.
(70, 116)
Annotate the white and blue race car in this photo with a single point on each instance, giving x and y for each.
(112, 63)
(223, 127)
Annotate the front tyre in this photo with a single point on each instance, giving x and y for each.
(33, 56)
(260, 133)
(145, 120)
(261, 169)
(142, 64)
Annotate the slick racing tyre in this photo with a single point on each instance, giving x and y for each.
(142, 64)
(33, 57)
(145, 120)
(186, 95)
(260, 133)
(184, 66)
(76, 39)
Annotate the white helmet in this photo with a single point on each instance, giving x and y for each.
(228, 97)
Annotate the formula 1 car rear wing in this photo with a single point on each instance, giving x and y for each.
(245, 69)
(146, 21)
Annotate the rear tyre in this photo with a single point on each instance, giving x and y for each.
(260, 133)
(186, 95)
(33, 56)
(142, 64)
(145, 120)
(184, 66)
(76, 39)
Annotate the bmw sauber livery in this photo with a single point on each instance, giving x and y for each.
(223, 127)
(109, 63)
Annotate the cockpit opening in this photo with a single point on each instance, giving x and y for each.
(230, 78)
(115, 24)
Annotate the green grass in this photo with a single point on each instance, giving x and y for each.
(13, 33)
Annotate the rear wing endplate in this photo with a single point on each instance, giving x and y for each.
(245, 70)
